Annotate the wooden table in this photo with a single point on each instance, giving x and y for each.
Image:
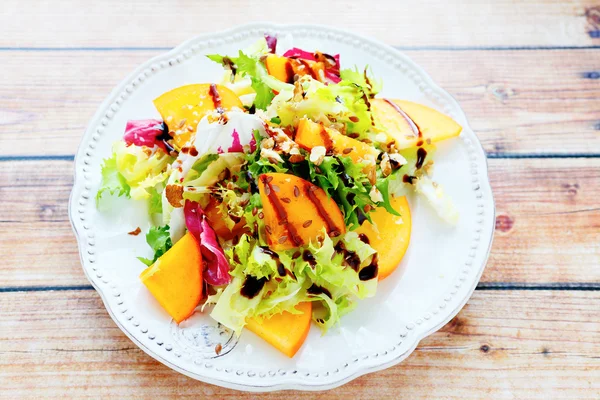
(526, 73)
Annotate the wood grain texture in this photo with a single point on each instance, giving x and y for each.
(517, 101)
(502, 345)
(160, 23)
(547, 228)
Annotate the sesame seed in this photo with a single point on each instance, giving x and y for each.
(268, 229)
(261, 215)
(190, 128)
(347, 150)
(296, 191)
(307, 223)
(254, 211)
(282, 239)
(286, 200)
(354, 119)
(267, 190)
(181, 123)
(275, 188)
(268, 179)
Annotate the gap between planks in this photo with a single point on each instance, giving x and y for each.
(71, 157)
(483, 286)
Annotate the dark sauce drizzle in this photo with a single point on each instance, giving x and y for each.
(351, 259)
(165, 136)
(289, 72)
(252, 286)
(228, 63)
(408, 179)
(364, 238)
(421, 154)
(281, 213)
(326, 139)
(280, 267)
(251, 183)
(332, 229)
(316, 290)
(370, 271)
(309, 258)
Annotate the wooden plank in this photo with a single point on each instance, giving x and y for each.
(515, 103)
(66, 23)
(502, 345)
(546, 230)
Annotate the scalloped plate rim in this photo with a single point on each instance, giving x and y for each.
(78, 182)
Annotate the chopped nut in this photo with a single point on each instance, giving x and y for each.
(295, 151)
(317, 154)
(396, 158)
(375, 195)
(280, 137)
(267, 143)
(372, 175)
(288, 146)
(386, 167)
(271, 155)
(298, 91)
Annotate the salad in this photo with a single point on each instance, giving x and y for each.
(277, 195)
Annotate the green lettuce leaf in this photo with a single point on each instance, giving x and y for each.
(134, 170)
(288, 277)
(113, 182)
(155, 201)
(159, 241)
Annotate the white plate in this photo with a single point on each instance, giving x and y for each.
(437, 276)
